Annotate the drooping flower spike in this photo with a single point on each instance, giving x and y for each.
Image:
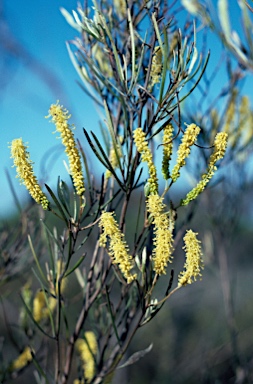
(220, 144)
(194, 263)
(25, 173)
(118, 249)
(60, 117)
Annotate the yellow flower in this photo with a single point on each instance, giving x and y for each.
(60, 117)
(146, 156)
(184, 150)
(41, 306)
(220, 144)
(118, 249)
(163, 242)
(103, 60)
(40, 310)
(23, 164)
(167, 150)
(121, 7)
(156, 67)
(22, 360)
(87, 348)
(194, 262)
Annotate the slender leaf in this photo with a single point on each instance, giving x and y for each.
(63, 217)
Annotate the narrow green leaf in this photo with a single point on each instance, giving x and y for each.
(36, 259)
(116, 144)
(34, 321)
(158, 35)
(132, 37)
(40, 369)
(224, 18)
(111, 315)
(69, 19)
(136, 356)
(165, 54)
(63, 194)
(87, 172)
(75, 266)
(63, 217)
(138, 69)
(107, 161)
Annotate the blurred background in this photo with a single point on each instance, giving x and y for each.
(205, 330)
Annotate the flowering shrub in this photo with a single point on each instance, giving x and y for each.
(139, 80)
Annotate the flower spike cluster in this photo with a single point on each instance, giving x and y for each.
(163, 242)
(184, 150)
(60, 117)
(194, 263)
(87, 349)
(167, 150)
(23, 164)
(146, 156)
(220, 144)
(118, 249)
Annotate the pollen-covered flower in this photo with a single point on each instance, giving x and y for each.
(87, 349)
(22, 360)
(184, 150)
(163, 241)
(156, 67)
(194, 263)
(167, 150)
(60, 117)
(220, 144)
(23, 164)
(146, 156)
(118, 249)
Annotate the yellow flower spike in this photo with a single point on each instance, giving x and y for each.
(194, 263)
(60, 117)
(220, 145)
(121, 7)
(163, 241)
(184, 150)
(118, 249)
(156, 67)
(87, 348)
(102, 60)
(22, 360)
(23, 164)
(167, 150)
(39, 306)
(146, 156)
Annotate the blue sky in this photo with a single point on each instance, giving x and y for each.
(25, 98)
(41, 29)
